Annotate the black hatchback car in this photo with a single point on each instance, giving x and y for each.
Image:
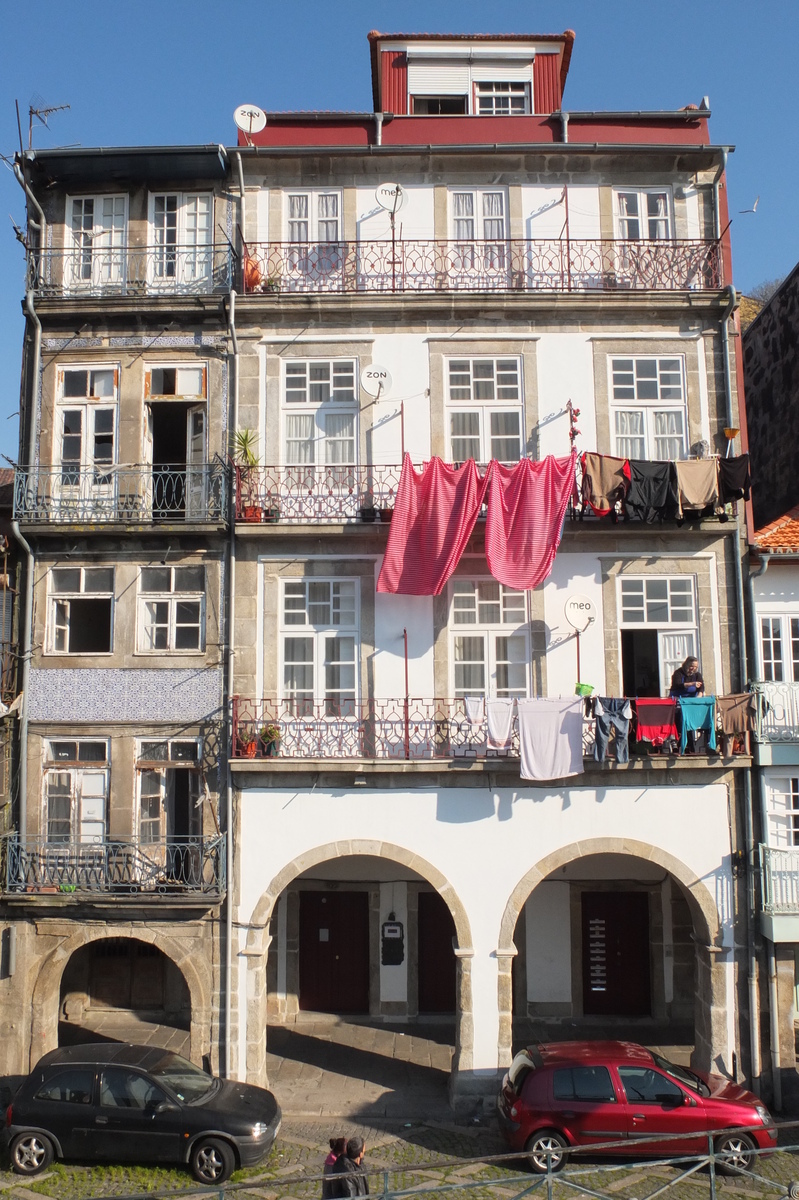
(119, 1102)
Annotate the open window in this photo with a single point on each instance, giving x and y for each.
(170, 814)
(176, 439)
(80, 611)
(658, 631)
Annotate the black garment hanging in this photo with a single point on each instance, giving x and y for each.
(734, 478)
(653, 494)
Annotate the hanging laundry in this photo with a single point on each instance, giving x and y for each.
(610, 714)
(737, 715)
(499, 717)
(434, 515)
(657, 720)
(653, 491)
(605, 482)
(550, 738)
(697, 713)
(475, 709)
(697, 484)
(524, 522)
(734, 478)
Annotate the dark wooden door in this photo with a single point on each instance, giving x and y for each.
(616, 954)
(127, 974)
(334, 952)
(437, 964)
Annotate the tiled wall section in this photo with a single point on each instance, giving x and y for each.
(124, 695)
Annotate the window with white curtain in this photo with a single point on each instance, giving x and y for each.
(643, 214)
(314, 216)
(783, 811)
(320, 412)
(648, 409)
(478, 227)
(488, 639)
(484, 409)
(779, 648)
(320, 646)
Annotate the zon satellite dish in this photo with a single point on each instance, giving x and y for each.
(376, 380)
(391, 196)
(250, 118)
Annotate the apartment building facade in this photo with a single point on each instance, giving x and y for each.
(342, 304)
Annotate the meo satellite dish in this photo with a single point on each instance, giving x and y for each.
(250, 118)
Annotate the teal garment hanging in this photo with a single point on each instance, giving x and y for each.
(698, 713)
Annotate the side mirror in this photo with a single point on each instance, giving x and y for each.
(164, 1107)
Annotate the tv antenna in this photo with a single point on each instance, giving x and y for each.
(42, 114)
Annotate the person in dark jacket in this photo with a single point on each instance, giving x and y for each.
(687, 681)
(348, 1176)
(337, 1147)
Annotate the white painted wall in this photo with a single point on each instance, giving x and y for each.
(407, 359)
(573, 574)
(544, 211)
(565, 372)
(414, 221)
(394, 980)
(393, 614)
(484, 842)
(778, 589)
(548, 930)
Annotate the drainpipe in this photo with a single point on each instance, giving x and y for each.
(243, 211)
(41, 225)
(564, 126)
(378, 129)
(234, 403)
(27, 639)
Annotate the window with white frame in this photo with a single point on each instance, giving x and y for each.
(171, 610)
(658, 624)
(643, 214)
(502, 99)
(313, 226)
(182, 236)
(85, 426)
(97, 228)
(489, 639)
(478, 214)
(783, 811)
(320, 646)
(648, 407)
(320, 412)
(779, 648)
(484, 409)
(76, 778)
(80, 610)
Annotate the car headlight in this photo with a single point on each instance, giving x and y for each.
(259, 1129)
(763, 1114)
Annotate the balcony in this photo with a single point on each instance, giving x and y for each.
(779, 882)
(151, 271)
(777, 712)
(188, 866)
(514, 265)
(317, 495)
(122, 495)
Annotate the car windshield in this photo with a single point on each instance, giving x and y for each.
(682, 1075)
(182, 1078)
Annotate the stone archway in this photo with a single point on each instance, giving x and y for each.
(258, 941)
(46, 990)
(710, 1006)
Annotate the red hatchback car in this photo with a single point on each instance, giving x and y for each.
(588, 1093)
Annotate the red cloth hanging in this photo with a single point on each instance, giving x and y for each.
(524, 523)
(434, 514)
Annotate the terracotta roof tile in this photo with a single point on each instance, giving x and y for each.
(781, 536)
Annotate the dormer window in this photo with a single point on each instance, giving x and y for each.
(502, 99)
(476, 85)
(439, 106)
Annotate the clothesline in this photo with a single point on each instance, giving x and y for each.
(651, 491)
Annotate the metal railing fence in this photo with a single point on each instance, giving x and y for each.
(94, 269)
(777, 711)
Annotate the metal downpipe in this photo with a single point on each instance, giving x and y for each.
(234, 405)
(27, 640)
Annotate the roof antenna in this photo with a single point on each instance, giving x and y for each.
(41, 114)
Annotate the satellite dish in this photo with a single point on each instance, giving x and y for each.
(580, 612)
(250, 118)
(391, 196)
(376, 380)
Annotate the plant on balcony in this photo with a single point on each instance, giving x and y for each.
(272, 283)
(246, 453)
(246, 742)
(367, 510)
(270, 740)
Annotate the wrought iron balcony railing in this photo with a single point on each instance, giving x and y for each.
(122, 495)
(347, 729)
(96, 270)
(315, 494)
(193, 865)
(511, 265)
(779, 879)
(777, 712)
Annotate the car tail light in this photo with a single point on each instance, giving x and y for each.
(9, 1115)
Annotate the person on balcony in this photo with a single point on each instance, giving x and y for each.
(687, 681)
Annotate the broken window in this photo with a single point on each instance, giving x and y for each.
(81, 608)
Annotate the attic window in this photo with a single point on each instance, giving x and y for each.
(439, 106)
(502, 99)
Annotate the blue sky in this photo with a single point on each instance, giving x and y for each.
(173, 71)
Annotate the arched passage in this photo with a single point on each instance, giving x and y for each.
(709, 974)
(259, 938)
(47, 990)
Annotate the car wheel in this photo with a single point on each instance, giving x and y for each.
(212, 1161)
(545, 1147)
(738, 1149)
(30, 1153)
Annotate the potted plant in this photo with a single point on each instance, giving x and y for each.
(367, 510)
(387, 512)
(248, 747)
(272, 283)
(270, 739)
(271, 513)
(247, 460)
